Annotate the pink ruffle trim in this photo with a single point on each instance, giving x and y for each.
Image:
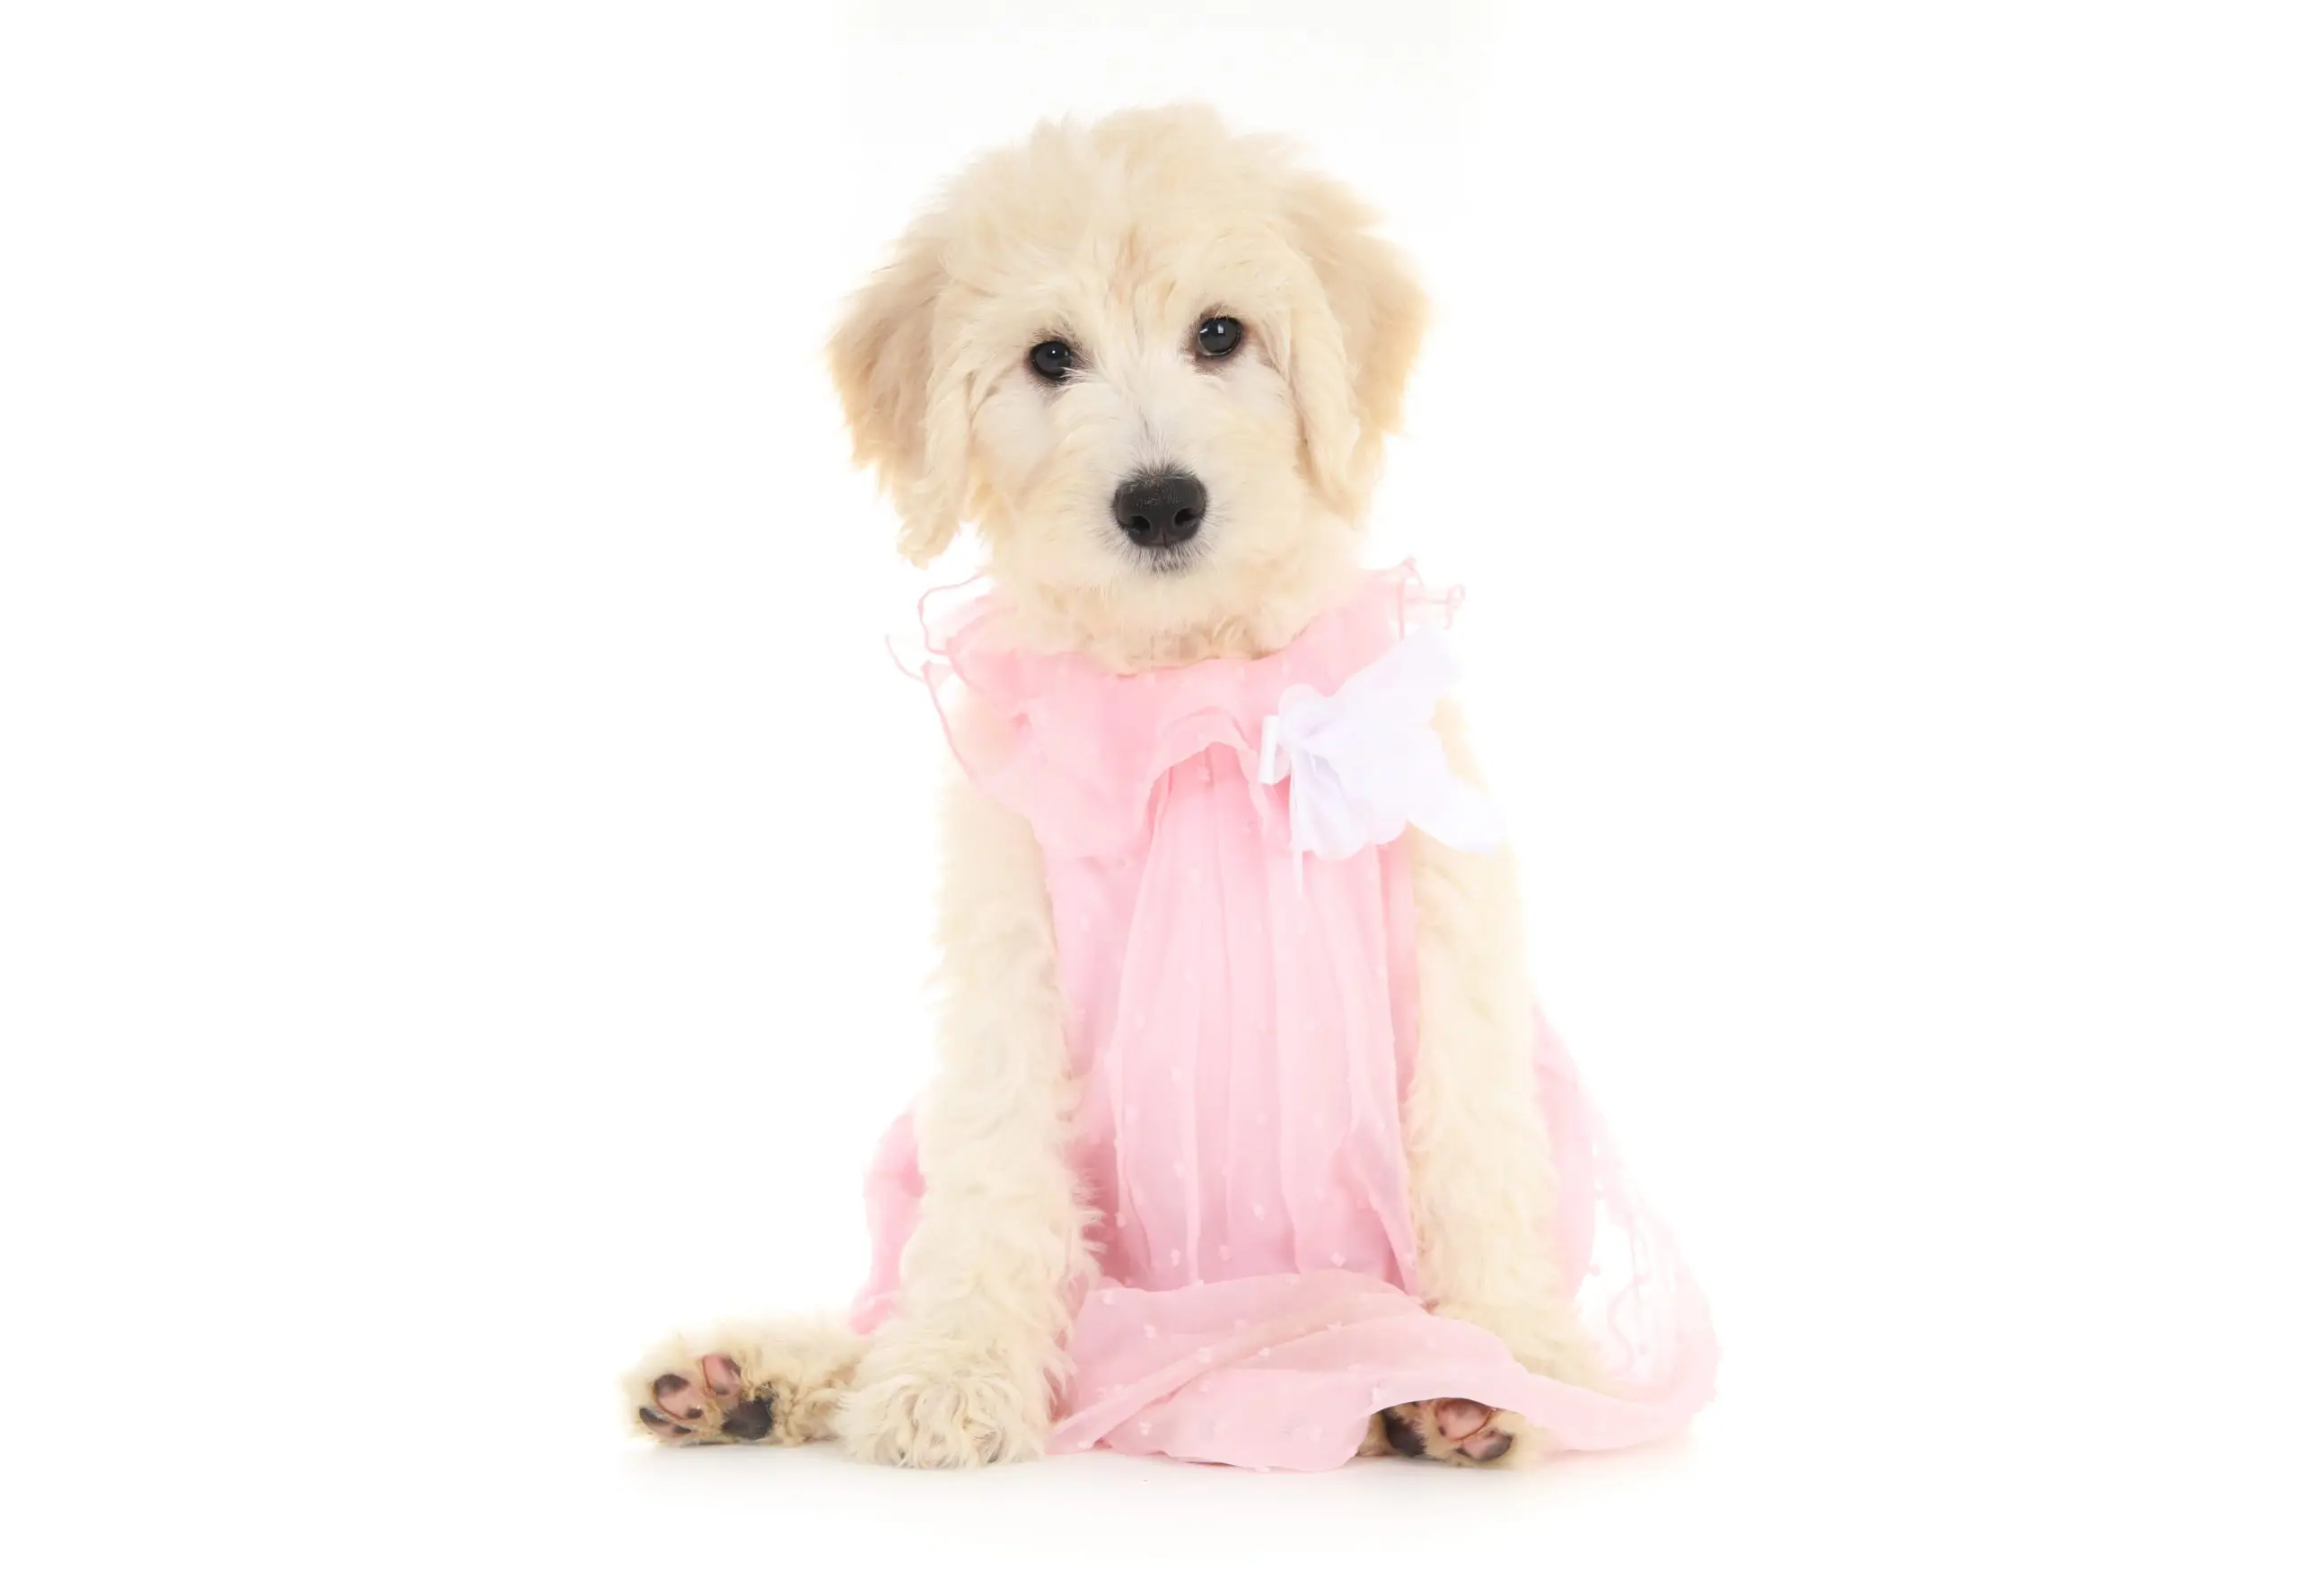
(1078, 751)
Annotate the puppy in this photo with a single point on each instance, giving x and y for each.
(1155, 363)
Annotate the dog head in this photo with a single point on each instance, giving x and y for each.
(1155, 363)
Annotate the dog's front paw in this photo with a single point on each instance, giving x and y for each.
(941, 1409)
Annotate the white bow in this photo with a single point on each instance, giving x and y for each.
(1365, 762)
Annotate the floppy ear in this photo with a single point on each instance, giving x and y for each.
(1352, 353)
(905, 408)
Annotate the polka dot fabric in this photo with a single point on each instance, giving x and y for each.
(1242, 1024)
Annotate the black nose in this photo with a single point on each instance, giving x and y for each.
(1160, 509)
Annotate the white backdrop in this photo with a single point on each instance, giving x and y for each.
(441, 659)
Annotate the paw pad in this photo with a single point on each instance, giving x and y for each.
(1452, 1430)
(711, 1404)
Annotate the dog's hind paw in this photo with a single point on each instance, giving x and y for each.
(1453, 1430)
(712, 1402)
(778, 1384)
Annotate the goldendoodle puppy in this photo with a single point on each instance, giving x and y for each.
(1247, 1143)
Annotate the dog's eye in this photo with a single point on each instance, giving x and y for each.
(1220, 336)
(1053, 360)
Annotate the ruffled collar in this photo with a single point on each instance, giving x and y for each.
(1079, 749)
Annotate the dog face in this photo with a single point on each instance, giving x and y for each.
(1155, 363)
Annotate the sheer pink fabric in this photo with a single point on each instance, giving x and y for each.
(1242, 1024)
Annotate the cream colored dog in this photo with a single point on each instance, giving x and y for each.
(1232, 349)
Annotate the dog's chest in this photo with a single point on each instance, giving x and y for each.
(1234, 1019)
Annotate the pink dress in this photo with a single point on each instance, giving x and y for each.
(1243, 1019)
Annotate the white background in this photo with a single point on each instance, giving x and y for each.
(464, 852)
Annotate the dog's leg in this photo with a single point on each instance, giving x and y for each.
(776, 1382)
(1477, 1146)
(965, 1371)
